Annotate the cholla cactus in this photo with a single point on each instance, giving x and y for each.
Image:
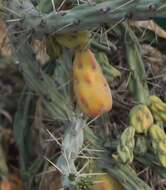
(55, 92)
(158, 107)
(159, 143)
(126, 145)
(140, 118)
(137, 83)
(141, 145)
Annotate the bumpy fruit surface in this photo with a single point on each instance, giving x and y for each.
(90, 86)
(158, 107)
(107, 182)
(141, 145)
(73, 40)
(159, 143)
(140, 118)
(126, 145)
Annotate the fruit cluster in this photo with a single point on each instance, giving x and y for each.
(143, 120)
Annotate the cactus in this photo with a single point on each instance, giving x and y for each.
(56, 43)
(159, 143)
(89, 83)
(82, 17)
(140, 118)
(158, 107)
(54, 50)
(73, 40)
(55, 99)
(137, 84)
(109, 71)
(126, 145)
(141, 145)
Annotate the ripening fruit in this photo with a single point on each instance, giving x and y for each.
(140, 118)
(126, 145)
(90, 86)
(107, 182)
(73, 40)
(11, 183)
(6, 185)
(158, 107)
(158, 137)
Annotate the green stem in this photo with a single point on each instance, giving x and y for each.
(83, 17)
(137, 84)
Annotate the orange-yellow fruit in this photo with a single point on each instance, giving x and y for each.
(107, 182)
(6, 185)
(90, 86)
(11, 183)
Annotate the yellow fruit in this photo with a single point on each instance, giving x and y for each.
(162, 115)
(91, 89)
(107, 182)
(5, 185)
(11, 183)
(140, 118)
(162, 147)
(73, 40)
(158, 107)
(162, 159)
(159, 143)
(156, 100)
(157, 133)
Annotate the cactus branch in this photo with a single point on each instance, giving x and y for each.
(85, 16)
(138, 85)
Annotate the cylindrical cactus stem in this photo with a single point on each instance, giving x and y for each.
(137, 84)
(108, 69)
(82, 17)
